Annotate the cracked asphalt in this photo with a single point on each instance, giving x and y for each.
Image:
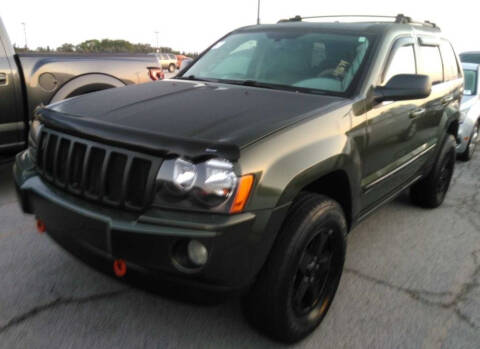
(412, 280)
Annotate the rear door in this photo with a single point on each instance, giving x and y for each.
(11, 121)
(437, 59)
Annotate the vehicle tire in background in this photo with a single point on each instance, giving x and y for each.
(296, 286)
(472, 144)
(171, 68)
(431, 190)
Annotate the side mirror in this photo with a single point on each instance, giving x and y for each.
(403, 87)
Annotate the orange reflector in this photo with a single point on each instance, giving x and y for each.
(41, 228)
(243, 192)
(119, 267)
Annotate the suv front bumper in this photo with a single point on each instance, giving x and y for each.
(237, 245)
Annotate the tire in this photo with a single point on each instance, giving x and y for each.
(307, 259)
(430, 192)
(171, 68)
(467, 155)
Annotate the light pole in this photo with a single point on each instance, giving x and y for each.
(25, 33)
(156, 41)
(258, 12)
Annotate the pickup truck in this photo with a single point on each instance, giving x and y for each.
(29, 80)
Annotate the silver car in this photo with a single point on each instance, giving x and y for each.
(166, 61)
(470, 112)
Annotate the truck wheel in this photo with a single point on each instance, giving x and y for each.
(296, 286)
(171, 68)
(431, 191)
(472, 144)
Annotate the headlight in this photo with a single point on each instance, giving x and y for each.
(217, 182)
(34, 138)
(208, 185)
(35, 131)
(184, 175)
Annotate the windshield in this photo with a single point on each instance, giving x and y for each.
(323, 62)
(470, 57)
(470, 82)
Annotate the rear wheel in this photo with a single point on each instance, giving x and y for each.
(472, 144)
(299, 280)
(171, 68)
(431, 191)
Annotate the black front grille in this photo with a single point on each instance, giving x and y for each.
(98, 172)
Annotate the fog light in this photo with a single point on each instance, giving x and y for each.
(197, 252)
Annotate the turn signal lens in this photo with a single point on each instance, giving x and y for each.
(243, 192)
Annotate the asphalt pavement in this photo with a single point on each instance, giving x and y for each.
(412, 280)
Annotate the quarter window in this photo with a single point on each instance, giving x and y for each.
(432, 63)
(450, 64)
(402, 62)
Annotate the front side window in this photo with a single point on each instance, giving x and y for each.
(402, 62)
(309, 61)
(432, 63)
(470, 82)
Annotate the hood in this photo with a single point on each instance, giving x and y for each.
(468, 101)
(208, 113)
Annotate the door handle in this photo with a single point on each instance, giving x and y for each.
(3, 79)
(417, 113)
(447, 99)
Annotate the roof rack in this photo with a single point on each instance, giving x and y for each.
(400, 18)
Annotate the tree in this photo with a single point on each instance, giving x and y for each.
(66, 47)
(43, 49)
(106, 46)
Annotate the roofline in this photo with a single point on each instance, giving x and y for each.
(398, 19)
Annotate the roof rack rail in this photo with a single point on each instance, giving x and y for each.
(400, 18)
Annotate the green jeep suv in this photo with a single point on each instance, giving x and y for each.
(248, 169)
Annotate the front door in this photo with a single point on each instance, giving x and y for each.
(11, 122)
(390, 156)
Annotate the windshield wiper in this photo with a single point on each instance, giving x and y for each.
(260, 84)
(194, 78)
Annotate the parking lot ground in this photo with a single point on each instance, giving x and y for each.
(412, 280)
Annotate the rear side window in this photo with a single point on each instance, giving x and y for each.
(450, 64)
(402, 62)
(470, 82)
(432, 63)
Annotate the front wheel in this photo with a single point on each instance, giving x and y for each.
(171, 68)
(296, 286)
(431, 190)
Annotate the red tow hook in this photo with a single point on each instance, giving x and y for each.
(119, 267)
(41, 228)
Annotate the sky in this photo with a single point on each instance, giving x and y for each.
(192, 25)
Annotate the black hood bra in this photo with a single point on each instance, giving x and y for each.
(183, 118)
